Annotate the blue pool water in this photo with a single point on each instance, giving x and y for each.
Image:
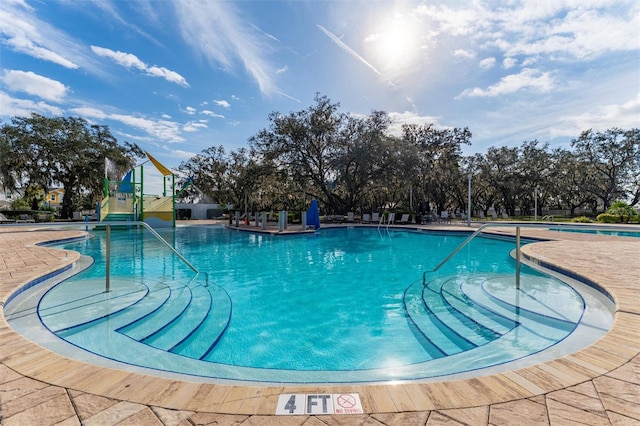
(343, 305)
(586, 230)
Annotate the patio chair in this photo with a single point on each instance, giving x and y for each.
(366, 218)
(350, 217)
(391, 219)
(444, 216)
(481, 216)
(505, 216)
(375, 217)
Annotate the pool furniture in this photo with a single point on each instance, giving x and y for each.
(404, 219)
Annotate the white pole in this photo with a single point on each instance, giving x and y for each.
(535, 215)
(469, 201)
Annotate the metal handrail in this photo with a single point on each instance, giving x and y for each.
(165, 242)
(115, 223)
(479, 231)
(507, 225)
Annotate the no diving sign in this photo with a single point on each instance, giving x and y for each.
(300, 404)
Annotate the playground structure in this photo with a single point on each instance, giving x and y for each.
(124, 200)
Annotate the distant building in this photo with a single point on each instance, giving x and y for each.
(8, 197)
(53, 197)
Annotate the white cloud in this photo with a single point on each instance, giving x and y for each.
(282, 70)
(487, 63)
(194, 126)
(464, 53)
(509, 63)
(129, 60)
(10, 107)
(211, 113)
(398, 119)
(190, 110)
(222, 103)
(528, 78)
(34, 84)
(164, 130)
(217, 31)
(601, 118)
(23, 31)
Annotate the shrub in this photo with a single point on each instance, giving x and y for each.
(621, 209)
(581, 219)
(607, 218)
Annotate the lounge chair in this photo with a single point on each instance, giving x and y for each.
(3, 219)
(375, 217)
(391, 219)
(366, 218)
(481, 216)
(350, 217)
(404, 219)
(444, 216)
(494, 216)
(505, 216)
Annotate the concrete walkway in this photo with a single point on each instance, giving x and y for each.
(599, 385)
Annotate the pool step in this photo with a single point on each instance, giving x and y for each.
(489, 319)
(178, 301)
(422, 314)
(90, 303)
(201, 341)
(190, 322)
(456, 320)
(191, 318)
(447, 318)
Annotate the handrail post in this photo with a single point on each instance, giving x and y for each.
(108, 261)
(517, 258)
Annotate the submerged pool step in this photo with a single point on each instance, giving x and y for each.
(464, 326)
(436, 333)
(482, 314)
(88, 302)
(204, 339)
(178, 301)
(191, 319)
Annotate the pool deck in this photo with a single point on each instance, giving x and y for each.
(598, 385)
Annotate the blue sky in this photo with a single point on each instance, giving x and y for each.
(177, 77)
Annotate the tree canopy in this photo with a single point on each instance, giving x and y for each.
(347, 162)
(39, 151)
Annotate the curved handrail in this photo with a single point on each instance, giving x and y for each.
(506, 225)
(116, 223)
(165, 242)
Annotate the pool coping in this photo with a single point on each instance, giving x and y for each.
(610, 266)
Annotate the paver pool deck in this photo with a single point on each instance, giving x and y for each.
(598, 385)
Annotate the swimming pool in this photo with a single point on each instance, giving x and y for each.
(344, 305)
(613, 232)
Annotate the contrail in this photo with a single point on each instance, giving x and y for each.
(346, 48)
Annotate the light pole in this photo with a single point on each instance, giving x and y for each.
(469, 201)
(535, 204)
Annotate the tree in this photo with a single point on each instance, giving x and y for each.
(439, 152)
(65, 151)
(614, 165)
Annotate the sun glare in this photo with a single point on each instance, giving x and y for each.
(395, 46)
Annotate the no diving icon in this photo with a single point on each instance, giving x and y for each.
(318, 404)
